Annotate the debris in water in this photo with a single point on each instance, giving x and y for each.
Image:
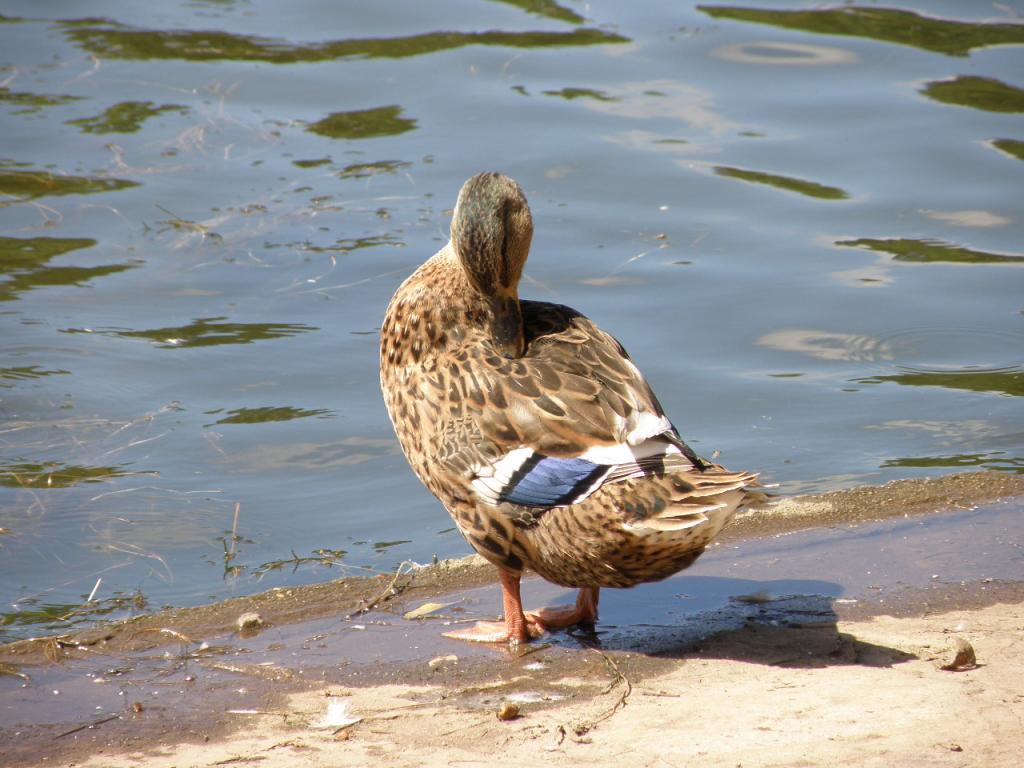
(755, 598)
(425, 610)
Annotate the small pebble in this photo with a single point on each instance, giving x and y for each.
(508, 710)
(438, 661)
(250, 621)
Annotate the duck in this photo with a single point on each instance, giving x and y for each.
(536, 430)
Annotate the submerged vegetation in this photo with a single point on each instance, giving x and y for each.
(1003, 382)
(1012, 147)
(914, 250)
(28, 185)
(24, 264)
(27, 103)
(53, 474)
(889, 25)
(208, 332)
(788, 183)
(363, 123)
(269, 413)
(985, 93)
(109, 39)
(125, 117)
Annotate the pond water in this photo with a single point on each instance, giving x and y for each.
(804, 221)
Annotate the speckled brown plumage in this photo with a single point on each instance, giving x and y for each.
(481, 386)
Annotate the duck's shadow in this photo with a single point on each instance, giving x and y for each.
(786, 624)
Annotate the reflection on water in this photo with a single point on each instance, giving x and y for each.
(969, 218)
(117, 41)
(124, 117)
(661, 98)
(785, 54)
(364, 123)
(313, 457)
(207, 332)
(800, 186)
(827, 345)
(961, 445)
(985, 93)
(908, 249)
(24, 264)
(891, 25)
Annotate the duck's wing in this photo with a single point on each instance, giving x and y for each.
(569, 416)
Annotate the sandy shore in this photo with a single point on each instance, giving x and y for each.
(868, 694)
(789, 681)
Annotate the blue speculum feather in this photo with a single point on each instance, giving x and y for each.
(543, 481)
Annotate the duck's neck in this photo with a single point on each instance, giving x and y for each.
(450, 312)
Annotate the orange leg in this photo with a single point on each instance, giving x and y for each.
(520, 626)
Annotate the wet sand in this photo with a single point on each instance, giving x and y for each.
(813, 634)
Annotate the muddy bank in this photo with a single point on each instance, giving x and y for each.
(354, 596)
(773, 692)
(791, 599)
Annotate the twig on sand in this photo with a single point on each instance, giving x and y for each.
(393, 589)
(82, 727)
(580, 728)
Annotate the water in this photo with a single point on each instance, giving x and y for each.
(810, 241)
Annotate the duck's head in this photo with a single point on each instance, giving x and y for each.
(491, 233)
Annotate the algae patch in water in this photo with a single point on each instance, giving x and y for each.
(913, 250)
(111, 40)
(266, 414)
(27, 103)
(800, 186)
(366, 170)
(124, 117)
(985, 93)
(363, 123)
(1003, 382)
(888, 25)
(996, 460)
(55, 475)
(208, 332)
(24, 264)
(1012, 147)
(348, 245)
(29, 185)
(581, 93)
(26, 373)
(547, 9)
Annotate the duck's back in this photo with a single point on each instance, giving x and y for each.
(561, 460)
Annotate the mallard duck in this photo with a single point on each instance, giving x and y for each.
(535, 429)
